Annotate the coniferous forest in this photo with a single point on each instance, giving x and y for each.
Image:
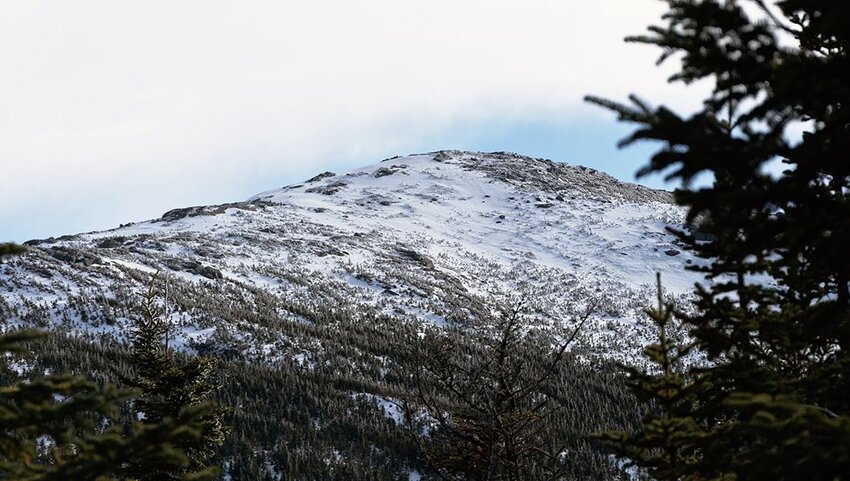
(747, 377)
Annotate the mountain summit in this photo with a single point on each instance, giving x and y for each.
(416, 238)
(313, 299)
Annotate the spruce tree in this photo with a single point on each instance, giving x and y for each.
(483, 409)
(667, 445)
(62, 427)
(773, 321)
(169, 386)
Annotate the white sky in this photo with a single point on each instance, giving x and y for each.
(115, 110)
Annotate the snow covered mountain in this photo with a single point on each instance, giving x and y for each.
(424, 238)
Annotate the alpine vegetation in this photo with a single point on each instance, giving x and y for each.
(304, 313)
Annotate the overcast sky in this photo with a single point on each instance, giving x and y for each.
(114, 111)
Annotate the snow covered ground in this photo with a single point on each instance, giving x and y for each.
(418, 239)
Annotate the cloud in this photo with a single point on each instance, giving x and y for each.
(135, 104)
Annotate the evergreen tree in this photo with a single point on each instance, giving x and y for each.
(666, 446)
(168, 387)
(774, 323)
(484, 410)
(62, 427)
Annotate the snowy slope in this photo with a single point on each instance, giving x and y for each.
(422, 238)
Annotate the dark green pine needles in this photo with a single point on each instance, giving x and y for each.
(667, 445)
(773, 141)
(61, 427)
(169, 387)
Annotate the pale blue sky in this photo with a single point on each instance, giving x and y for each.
(589, 143)
(118, 111)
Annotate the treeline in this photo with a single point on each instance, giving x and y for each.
(309, 421)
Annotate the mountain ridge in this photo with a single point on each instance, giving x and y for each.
(310, 298)
(497, 170)
(412, 237)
